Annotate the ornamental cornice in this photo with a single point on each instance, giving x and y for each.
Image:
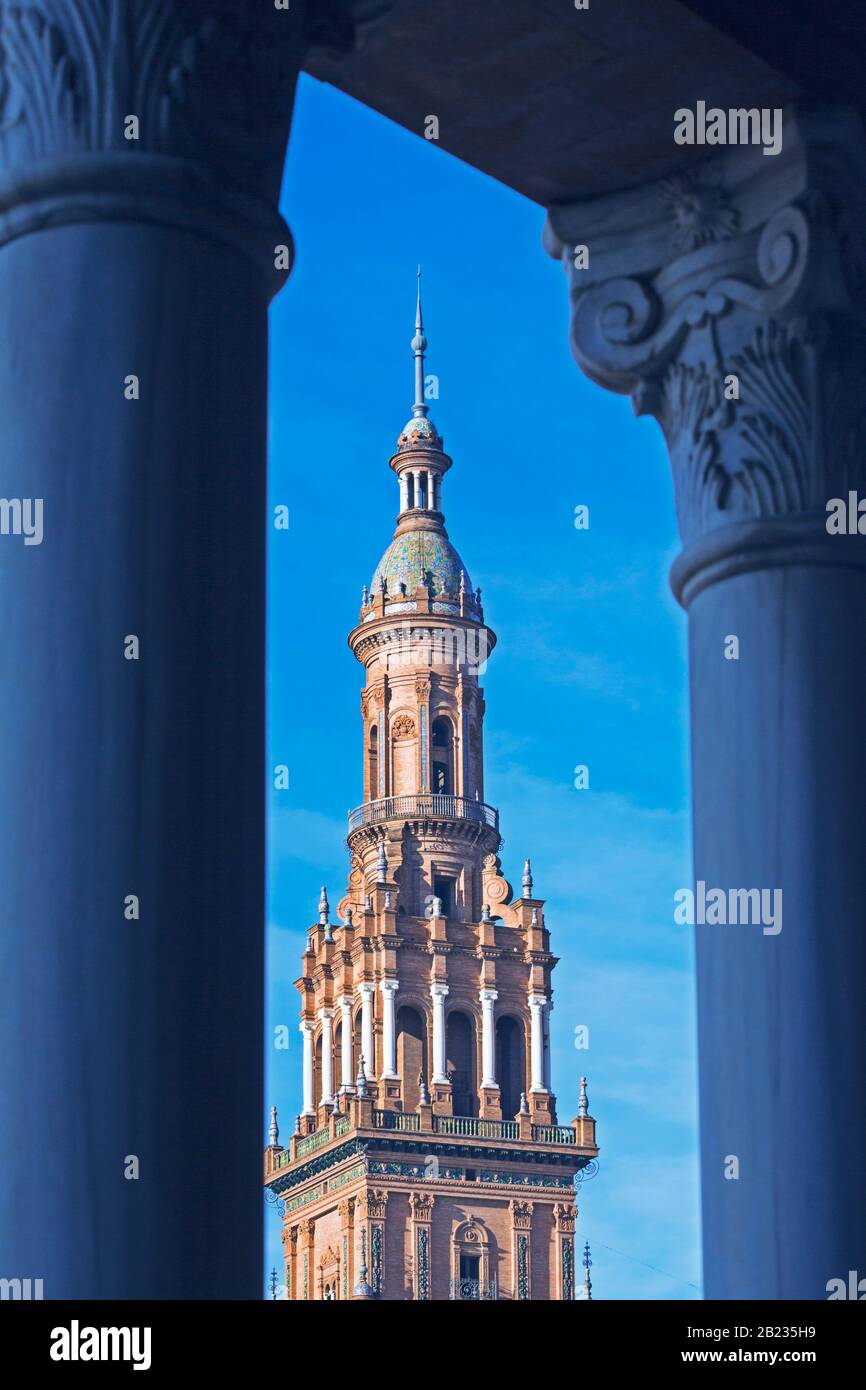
(731, 305)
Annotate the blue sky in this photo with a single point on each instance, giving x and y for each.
(591, 664)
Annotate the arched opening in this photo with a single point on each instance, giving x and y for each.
(317, 1072)
(373, 762)
(460, 1064)
(411, 1054)
(442, 756)
(509, 1064)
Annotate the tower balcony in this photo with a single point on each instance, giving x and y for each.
(429, 806)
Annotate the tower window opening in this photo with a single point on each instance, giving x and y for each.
(373, 759)
(442, 750)
(443, 888)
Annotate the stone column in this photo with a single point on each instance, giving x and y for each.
(326, 1019)
(368, 1051)
(730, 303)
(488, 998)
(141, 151)
(347, 1076)
(309, 1082)
(439, 993)
(537, 1003)
(389, 1030)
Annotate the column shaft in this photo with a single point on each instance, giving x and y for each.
(488, 998)
(536, 1008)
(440, 1061)
(367, 1043)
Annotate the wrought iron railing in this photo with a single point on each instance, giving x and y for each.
(436, 805)
(473, 1289)
(553, 1134)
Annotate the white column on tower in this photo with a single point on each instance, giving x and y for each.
(404, 491)
(307, 1034)
(346, 1061)
(366, 992)
(438, 994)
(488, 998)
(537, 1004)
(326, 1019)
(389, 1031)
(546, 1036)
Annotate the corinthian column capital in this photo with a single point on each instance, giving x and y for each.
(173, 111)
(729, 303)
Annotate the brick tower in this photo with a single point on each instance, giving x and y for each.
(428, 1162)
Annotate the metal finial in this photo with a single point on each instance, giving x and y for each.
(381, 864)
(587, 1282)
(274, 1131)
(324, 907)
(527, 879)
(583, 1102)
(274, 1283)
(419, 347)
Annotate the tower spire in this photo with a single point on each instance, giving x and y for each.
(419, 347)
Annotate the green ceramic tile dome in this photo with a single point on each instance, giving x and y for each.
(414, 556)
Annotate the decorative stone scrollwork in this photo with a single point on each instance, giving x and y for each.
(521, 1214)
(403, 727)
(736, 325)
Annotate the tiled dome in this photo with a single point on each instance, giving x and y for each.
(419, 433)
(414, 556)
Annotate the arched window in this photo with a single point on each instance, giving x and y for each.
(460, 1065)
(510, 1063)
(373, 762)
(411, 1054)
(442, 755)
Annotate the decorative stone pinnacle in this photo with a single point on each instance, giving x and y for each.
(349, 915)
(361, 1080)
(527, 879)
(368, 903)
(524, 1108)
(535, 916)
(437, 907)
(583, 1102)
(381, 864)
(324, 907)
(485, 913)
(274, 1132)
(422, 1089)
